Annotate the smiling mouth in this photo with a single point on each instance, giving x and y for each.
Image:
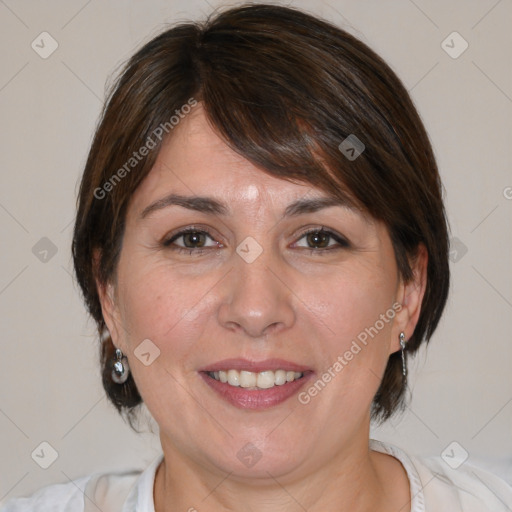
(255, 380)
(256, 385)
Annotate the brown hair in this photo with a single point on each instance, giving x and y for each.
(284, 89)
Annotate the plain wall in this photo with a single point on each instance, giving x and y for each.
(50, 388)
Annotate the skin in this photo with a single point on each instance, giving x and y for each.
(295, 302)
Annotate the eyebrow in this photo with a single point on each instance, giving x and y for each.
(212, 206)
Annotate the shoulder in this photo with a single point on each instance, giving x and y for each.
(470, 488)
(80, 495)
(435, 485)
(58, 498)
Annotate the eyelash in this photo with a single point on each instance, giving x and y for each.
(342, 243)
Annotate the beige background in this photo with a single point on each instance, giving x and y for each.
(49, 380)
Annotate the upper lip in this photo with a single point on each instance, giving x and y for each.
(254, 366)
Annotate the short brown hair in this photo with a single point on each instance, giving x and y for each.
(284, 89)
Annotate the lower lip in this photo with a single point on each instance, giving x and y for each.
(255, 399)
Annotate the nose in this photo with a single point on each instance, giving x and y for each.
(257, 300)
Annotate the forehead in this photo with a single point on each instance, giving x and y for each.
(195, 161)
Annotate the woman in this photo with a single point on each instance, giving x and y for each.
(261, 239)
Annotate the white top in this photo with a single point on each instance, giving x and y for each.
(434, 487)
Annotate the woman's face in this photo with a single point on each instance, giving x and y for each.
(269, 282)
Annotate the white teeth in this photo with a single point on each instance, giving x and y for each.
(251, 380)
(247, 379)
(233, 378)
(280, 377)
(266, 380)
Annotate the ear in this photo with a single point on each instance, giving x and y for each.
(109, 305)
(410, 296)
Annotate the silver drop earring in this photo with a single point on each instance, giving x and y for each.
(121, 370)
(402, 345)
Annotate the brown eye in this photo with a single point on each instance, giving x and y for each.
(194, 239)
(318, 239)
(321, 239)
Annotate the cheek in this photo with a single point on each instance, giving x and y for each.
(350, 303)
(173, 312)
(168, 308)
(354, 352)
(356, 310)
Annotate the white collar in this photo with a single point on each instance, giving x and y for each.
(140, 498)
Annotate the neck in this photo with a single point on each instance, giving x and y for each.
(354, 480)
